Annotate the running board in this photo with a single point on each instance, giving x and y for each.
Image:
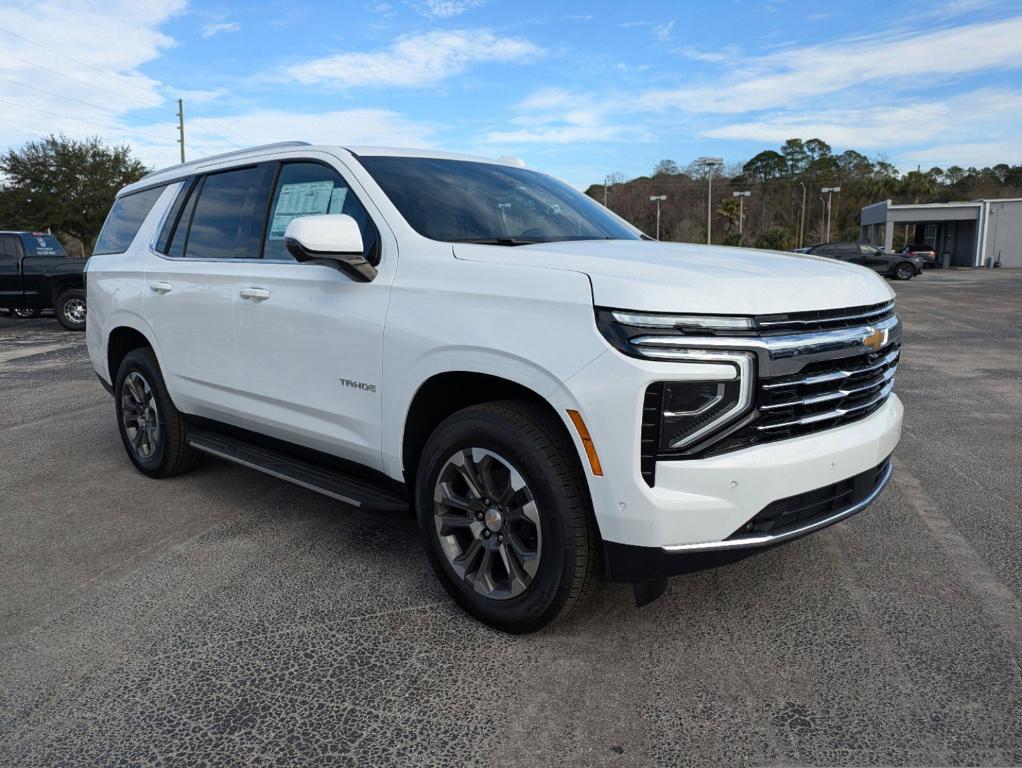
(337, 485)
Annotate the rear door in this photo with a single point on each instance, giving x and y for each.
(10, 272)
(41, 252)
(213, 229)
(309, 337)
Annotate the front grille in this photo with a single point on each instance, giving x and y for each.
(822, 395)
(803, 509)
(823, 320)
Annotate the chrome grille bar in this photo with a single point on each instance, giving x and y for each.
(856, 317)
(837, 413)
(823, 378)
(838, 394)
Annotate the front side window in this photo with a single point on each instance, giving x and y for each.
(124, 220)
(867, 250)
(311, 189)
(466, 201)
(227, 220)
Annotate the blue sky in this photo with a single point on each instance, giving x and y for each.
(579, 89)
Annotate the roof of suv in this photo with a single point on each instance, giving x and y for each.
(181, 170)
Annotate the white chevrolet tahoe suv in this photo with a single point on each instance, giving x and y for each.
(559, 398)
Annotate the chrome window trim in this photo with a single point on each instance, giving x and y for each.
(766, 540)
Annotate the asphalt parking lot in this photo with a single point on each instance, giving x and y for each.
(227, 618)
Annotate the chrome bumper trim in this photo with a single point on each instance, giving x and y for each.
(769, 539)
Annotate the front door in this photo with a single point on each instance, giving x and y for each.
(309, 337)
(189, 293)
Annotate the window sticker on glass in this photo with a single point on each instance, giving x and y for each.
(312, 198)
(337, 199)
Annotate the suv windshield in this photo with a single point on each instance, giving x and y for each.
(470, 202)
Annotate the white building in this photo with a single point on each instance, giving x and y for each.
(974, 234)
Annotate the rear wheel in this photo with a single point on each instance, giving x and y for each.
(154, 432)
(25, 314)
(70, 308)
(904, 271)
(506, 516)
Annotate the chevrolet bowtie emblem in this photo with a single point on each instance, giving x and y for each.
(875, 339)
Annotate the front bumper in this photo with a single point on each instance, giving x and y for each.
(802, 514)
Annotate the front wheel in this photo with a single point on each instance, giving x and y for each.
(904, 271)
(505, 513)
(71, 310)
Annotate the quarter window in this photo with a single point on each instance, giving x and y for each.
(311, 189)
(124, 220)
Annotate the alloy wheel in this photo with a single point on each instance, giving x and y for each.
(75, 311)
(905, 272)
(140, 416)
(488, 523)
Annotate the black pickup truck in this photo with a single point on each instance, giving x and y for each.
(36, 274)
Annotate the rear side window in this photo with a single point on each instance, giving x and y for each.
(228, 215)
(41, 244)
(124, 219)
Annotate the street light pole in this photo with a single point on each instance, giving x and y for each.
(657, 198)
(709, 163)
(741, 212)
(828, 191)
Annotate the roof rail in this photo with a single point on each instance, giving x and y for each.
(223, 155)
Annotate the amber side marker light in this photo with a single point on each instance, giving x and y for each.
(587, 441)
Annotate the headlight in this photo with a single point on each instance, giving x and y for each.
(693, 409)
(689, 409)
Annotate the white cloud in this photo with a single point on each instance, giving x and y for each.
(988, 112)
(415, 60)
(663, 31)
(557, 116)
(443, 9)
(220, 27)
(966, 154)
(73, 67)
(208, 136)
(794, 75)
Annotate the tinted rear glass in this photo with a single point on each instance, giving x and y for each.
(124, 219)
(229, 215)
(41, 244)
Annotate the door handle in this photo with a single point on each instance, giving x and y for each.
(256, 294)
(160, 286)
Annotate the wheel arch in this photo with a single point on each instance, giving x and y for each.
(122, 340)
(447, 392)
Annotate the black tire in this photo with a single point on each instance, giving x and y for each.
(904, 271)
(26, 314)
(529, 439)
(171, 454)
(70, 309)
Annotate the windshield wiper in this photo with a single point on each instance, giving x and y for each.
(496, 241)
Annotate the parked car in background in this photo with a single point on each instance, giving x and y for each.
(926, 252)
(894, 265)
(36, 274)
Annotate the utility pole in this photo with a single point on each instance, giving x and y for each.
(181, 126)
(709, 163)
(828, 191)
(802, 218)
(741, 212)
(658, 199)
(605, 179)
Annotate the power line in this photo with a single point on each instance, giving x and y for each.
(77, 80)
(60, 96)
(121, 128)
(76, 61)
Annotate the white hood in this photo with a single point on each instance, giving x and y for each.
(679, 277)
